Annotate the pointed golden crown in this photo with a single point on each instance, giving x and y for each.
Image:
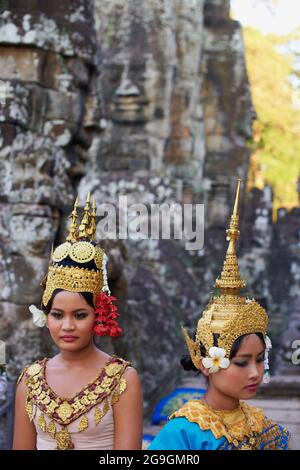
(78, 249)
(230, 315)
(231, 280)
(87, 227)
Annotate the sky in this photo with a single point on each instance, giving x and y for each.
(280, 19)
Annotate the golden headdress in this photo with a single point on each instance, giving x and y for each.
(230, 315)
(78, 264)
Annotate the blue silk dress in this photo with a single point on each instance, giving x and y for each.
(198, 427)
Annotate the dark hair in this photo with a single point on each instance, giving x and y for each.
(88, 297)
(187, 362)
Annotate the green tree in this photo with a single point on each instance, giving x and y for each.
(276, 144)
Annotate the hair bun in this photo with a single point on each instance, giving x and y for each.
(187, 363)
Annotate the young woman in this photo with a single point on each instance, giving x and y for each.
(82, 398)
(230, 348)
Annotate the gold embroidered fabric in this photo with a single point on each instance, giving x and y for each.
(218, 422)
(245, 428)
(273, 437)
(60, 412)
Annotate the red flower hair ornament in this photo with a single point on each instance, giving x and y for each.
(106, 314)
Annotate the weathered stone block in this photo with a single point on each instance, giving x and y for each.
(24, 64)
(24, 277)
(46, 28)
(34, 171)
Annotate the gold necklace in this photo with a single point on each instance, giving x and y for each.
(251, 444)
(253, 433)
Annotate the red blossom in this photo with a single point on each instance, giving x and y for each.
(106, 314)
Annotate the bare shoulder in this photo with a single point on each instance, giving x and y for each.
(129, 392)
(131, 375)
(133, 388)
(128, 411)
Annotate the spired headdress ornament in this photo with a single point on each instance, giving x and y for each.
(230, 315)
(79, 265)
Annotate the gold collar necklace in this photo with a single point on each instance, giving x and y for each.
(250, 445)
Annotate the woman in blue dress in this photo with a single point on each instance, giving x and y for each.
(230, 348)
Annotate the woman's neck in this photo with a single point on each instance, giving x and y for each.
(218, 401)
(81, 356)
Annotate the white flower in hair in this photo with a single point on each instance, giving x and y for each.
(38, 316)
(268, 343)
(216, 360)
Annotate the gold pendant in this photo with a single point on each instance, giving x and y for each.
(84, 423)
(63, 439)
(51, 429)
(98, 415)
(29, 409)
(105, 407)
(42, 423)
(64, 411)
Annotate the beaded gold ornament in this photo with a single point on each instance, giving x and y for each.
(53, 414)
(230, 315)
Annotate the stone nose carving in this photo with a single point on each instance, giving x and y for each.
(129, 102)
(126, 87)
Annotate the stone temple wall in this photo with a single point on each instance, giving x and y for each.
(148, 99)
(47, 61)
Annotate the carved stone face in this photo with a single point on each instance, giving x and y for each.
(136, 83)
(124, 95)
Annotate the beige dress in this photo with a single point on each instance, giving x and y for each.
(84, 422)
